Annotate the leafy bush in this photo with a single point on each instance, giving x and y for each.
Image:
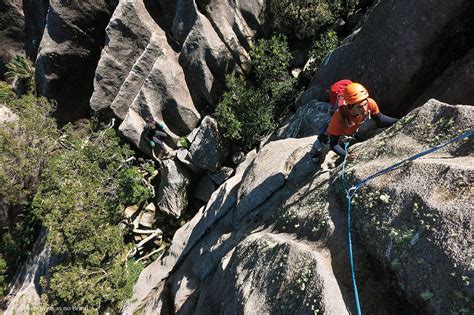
(326, 43)
(304, 19)
(183, 142)
(245, 113)
(85, 187)
(3, 282)
(21, 72)
(132, 190)
(248, 111)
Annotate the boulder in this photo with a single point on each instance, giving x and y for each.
(12, 32)
(205, 60)
(169, 60)
(208, 149)
(68, 54)
(24, 292)
(221, 175)
(204, 188)
(139, 75)
(415, 220)
(184, 240)
(400, 49)
(280, 245)
(450, 86)
(307, 121)
(174, 188)
(147, 216)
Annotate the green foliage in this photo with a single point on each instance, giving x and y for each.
(85, 187)
(326, 43)
(21, 69)
(25, 145)
(247, 112)
(3, 280)
(304, 19)
(72, 284)
(132, 190)
(6, 92)
(183, 142)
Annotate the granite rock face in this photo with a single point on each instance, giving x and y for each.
(272, 238)
(169, 60)
(68, 54)
(400, 49)
(12, 32)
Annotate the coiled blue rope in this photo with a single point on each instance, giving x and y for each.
(351, 192)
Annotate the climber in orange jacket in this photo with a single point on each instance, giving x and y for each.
(348, 118)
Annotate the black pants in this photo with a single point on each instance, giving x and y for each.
(158, 137)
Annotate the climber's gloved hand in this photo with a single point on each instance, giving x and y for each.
(152, 144)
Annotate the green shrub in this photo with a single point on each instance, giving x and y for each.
(21, 72)
(84, 188)
(183, 142)
(245, 113)
(132, 190)
(270, 61)
(6, 92)
(249, 111)
(326, 43)
(304, 19)
(3, 278)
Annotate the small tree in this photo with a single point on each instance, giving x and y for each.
(21, 72)
(326, 43)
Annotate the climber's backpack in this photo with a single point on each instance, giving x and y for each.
(336, 98)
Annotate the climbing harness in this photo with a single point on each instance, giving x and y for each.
(351, 192)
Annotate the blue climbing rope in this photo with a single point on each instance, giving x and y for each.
(350, 192)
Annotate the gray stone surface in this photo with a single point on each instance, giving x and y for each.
(415, 220)
(307, 121)
(35, 21)
(24, 292)
(221, 175)
(204, 188)
(169, 60)
(12, 32)
(68, 54)
(174, 188)
(208, 149)
(400, 49)
(451, 86)
(296, 224)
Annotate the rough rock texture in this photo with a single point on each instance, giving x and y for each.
(451, 86)
(221, 175)
(417, 220)
(35, 21)
(12, 33)
(24, 292)
(401, 49)
(204, 188)
(6, 115)
(169, 59)
(208, 149)
(279, 246)
(174, 188)
(68, 53)
(307, 121)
